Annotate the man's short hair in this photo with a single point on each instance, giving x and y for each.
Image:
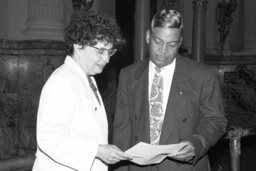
(168, 19)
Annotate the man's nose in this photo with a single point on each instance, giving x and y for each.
(163, 48)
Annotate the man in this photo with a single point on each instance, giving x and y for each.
(169, 99)
(72, 128)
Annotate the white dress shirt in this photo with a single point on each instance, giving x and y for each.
(167, 74)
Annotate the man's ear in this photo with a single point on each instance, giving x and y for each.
(181, 39)
(147, 36)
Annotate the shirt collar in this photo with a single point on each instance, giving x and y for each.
(165, 69)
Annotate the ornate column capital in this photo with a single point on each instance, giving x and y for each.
(46, 19)
(202, 3)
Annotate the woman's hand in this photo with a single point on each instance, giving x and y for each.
(110, 154)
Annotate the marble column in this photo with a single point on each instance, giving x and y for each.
(46, 20)
(142, 23)
(198, 38)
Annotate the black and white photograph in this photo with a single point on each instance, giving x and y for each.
(127, 85)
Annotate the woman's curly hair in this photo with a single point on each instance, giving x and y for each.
(88, 28)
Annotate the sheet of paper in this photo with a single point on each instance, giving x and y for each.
(145, 154)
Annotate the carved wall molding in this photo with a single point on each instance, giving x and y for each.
(230, 60)
(32, 47)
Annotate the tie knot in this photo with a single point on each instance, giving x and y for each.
(158, 69)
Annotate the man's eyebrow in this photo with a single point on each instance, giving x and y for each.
(156, 36)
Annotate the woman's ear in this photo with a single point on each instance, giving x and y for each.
(77, 47)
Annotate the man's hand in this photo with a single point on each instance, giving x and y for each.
(110, 154)
(186, 153)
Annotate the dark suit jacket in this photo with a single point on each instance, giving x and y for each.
(194, 113)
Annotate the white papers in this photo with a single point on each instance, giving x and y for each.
(145, 154)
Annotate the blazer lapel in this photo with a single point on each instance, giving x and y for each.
(174, 101)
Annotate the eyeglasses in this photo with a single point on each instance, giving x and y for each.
(102, 51)
(159, 41)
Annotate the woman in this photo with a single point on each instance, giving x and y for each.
(72, 126)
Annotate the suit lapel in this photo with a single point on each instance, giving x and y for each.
(140, 100)
(174, 101)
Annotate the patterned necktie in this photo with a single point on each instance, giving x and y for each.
(156, 107)
(94, 89)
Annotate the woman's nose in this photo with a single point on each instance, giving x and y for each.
(106, 57)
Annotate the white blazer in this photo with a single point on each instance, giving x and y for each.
(70, 122)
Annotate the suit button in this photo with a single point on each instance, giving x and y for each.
(184, 119)
(135, 138)
(95, 109)
(135, 117)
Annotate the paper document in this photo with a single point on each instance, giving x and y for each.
(145, 154)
